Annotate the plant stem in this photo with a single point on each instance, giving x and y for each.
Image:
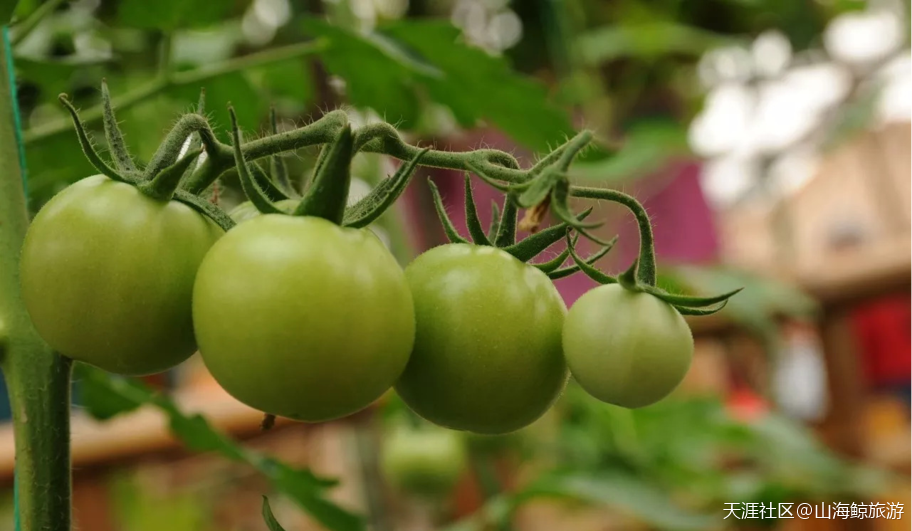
(24, 28)
(178, 79)
(38, 380)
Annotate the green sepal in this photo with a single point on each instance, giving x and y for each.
(163, 185)
(451, 233)
(586, 265)
(270, 518)
(559, 206)
(699, 312)
(169, 150)
(89, 149)
(688, 301)
(328, 194)
(476, 231)
(374, 204)
(557, 261)
(495, 221)
(205, 208)
(628, 278)
(497, 185)
(506, 232)
(528, 248)
(277, 167)
(251, 189)
(122, 159)
(272, 191)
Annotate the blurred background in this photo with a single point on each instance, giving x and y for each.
(768, 139)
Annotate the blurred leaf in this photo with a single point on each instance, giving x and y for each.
(7, 8)
(646, 40)
(269, 518)
(287, 80)
(109, 395)
(647, 148)
(171, 14)
(53, 76)
(373, 78)
(477, 86)
(105, 396)
(385, 70)
(756, 307)
(622, 492)
(232, 88)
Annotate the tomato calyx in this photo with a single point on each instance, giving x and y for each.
(173, 161)
(327, 195)
(685, 304)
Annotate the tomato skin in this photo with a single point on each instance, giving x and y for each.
(424, 461)
(626, 348)
(246, 210)
(487, 356)
(107, 275)
(298, 317)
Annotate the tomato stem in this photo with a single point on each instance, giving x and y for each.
(37, 379)
(646, 269)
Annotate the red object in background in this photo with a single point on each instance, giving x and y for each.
(745, 405)
(883, 331)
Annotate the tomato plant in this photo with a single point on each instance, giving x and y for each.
(487, 354)
(107, 273)
(626, 348)
(423, 461)
(299, 317)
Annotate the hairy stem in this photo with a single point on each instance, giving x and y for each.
(38, 380)
(646, 270)
(168, 80)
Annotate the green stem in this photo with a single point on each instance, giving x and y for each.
(38, 380)
(646, 270)
(178, 79)
(24, 28)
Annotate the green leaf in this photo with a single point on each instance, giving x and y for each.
(478, 86)
(289, 81)
(648, 147)
(373, 77)
(646, 40)
(105, 396)
(625, 493)
(250, 107)
(171, 14)
(120, 395)
(7, 8)
(385, 70)
(269, 518)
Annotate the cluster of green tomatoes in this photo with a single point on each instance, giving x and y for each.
(297, 315)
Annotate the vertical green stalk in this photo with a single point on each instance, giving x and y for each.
(38, 380)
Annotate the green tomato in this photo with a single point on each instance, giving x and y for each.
(298, 317)
(626, 348)
(246, 210)
(487, 356)
(423, 461)
(107, 275)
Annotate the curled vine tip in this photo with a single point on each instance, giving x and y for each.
(251, 189)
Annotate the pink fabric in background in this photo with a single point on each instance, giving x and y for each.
(683, 224)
